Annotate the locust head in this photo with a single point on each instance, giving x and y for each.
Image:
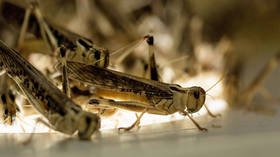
(195, 99)
(88, 124)
(188, 99)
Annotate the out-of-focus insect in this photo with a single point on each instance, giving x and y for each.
(60, 111)
(243, 97)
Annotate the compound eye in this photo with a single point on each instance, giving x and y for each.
(196, 94)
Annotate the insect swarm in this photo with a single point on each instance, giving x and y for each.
(60, 111)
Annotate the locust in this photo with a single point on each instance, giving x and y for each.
(69, 45)
(61, 112)
(140, 94)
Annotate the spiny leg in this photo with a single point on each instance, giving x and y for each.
(152, 66)
(151, 69)
(248, 94)
(194, 122)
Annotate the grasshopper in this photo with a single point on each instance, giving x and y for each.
(142, 95)
(71, 46)
(79, 49)
(146, 95)
(61, 112)
(57, 37)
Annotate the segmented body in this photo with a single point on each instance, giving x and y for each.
(159, 96)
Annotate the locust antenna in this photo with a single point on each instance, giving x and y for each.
(215, 84)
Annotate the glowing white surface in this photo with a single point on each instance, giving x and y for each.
(241, 134)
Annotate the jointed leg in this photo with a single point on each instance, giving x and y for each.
(38, 120)
(194, 122)
(127, 105)
(210, 113)
(152, 66)
(152, 71)
(136, 123)
(24, 26)
(45, 31)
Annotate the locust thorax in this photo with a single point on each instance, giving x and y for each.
(90, 54)
(189, 99)
(88, 124)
